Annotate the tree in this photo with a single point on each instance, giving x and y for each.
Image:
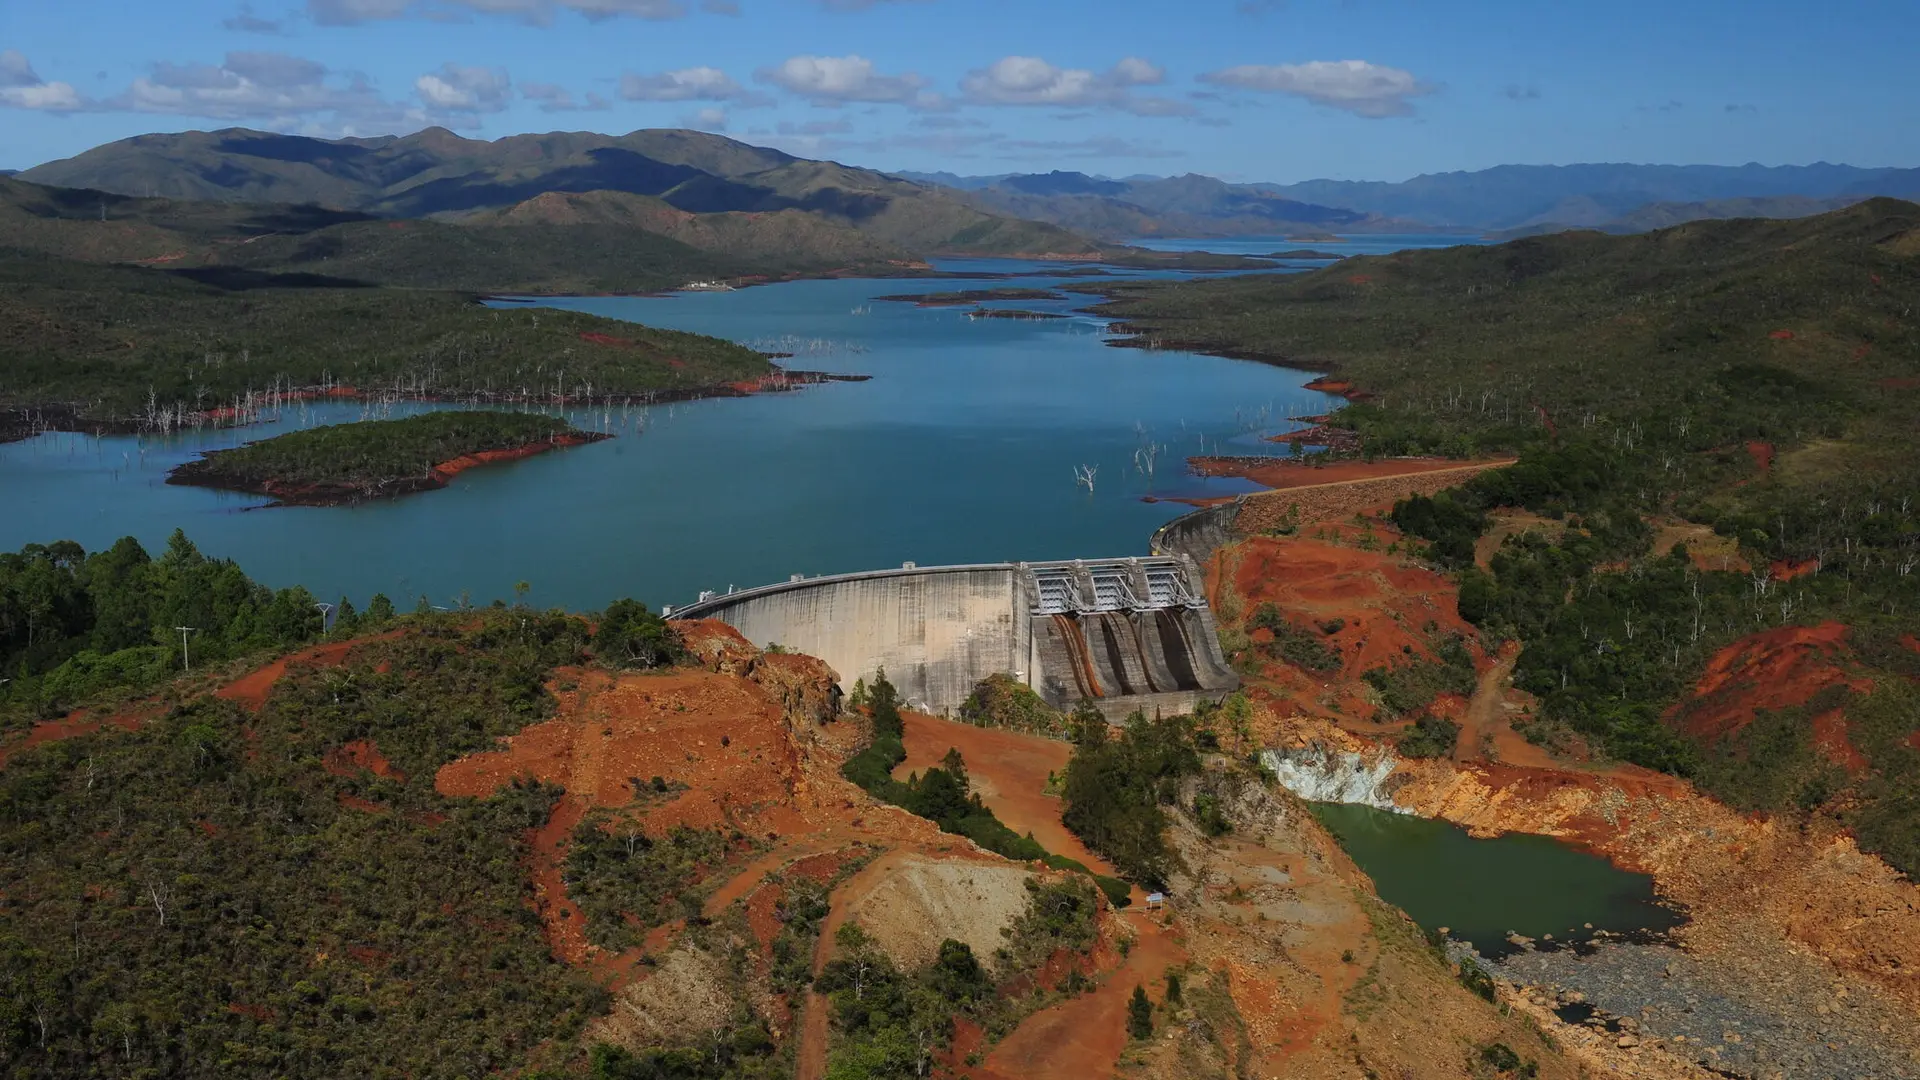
(632, 636)
(1139, 1014)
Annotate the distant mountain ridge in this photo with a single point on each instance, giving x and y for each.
(1579, 214)
(1511, 196)
(436, 173)
(1190, 205)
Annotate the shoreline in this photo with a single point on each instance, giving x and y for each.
(346, 493)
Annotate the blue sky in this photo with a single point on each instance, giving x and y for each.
(1277, 90)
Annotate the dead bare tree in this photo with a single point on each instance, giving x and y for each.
(1083, 475)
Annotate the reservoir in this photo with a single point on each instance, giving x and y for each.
(1482, 889)
(961, 448)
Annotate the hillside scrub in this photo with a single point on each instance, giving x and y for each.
(197, 896)
(1751, 376)
(1001, 701)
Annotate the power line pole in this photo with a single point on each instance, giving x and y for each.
(326, 617)
(184, 631)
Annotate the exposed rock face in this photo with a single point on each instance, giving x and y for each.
(808, 690)
(1318, 774)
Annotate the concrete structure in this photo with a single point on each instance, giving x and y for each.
(1126, 634)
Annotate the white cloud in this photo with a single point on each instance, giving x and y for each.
(353, 12)
(294, 94)
(707, 119)
(552, 98)
(1371, 90)
(1029, 80)
(22, 88)
(688, 84)
(455, 88)
(837, 80)
(250, 85)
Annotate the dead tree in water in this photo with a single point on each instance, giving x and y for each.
(1083, 475)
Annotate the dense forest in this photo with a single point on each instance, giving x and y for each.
(75, 625)
(1757, 378)
(375, 456)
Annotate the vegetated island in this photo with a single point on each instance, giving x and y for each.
(1303, 254)
(972, 296)
(347, 463)
(1012, 313)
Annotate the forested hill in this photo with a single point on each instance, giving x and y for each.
(85, 346)
(1750, 384)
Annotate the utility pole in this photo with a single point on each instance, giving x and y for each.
(326, 617)
(184, 631)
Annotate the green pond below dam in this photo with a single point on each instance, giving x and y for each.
(1480, 890)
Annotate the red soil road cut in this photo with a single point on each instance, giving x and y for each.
(251, 689)
(1776, 669)
(1762, 454)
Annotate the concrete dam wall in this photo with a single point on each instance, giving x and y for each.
(1125, 634)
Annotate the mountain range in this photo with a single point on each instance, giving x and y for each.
(1508, 197)
(437, 174)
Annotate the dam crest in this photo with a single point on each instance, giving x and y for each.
(1126, 634)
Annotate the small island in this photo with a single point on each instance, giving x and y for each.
(972, 296)
(348, 463)
(1303, 253)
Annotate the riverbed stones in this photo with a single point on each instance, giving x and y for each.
(1767, 1014)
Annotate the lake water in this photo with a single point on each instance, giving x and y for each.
(1482, 889)
(1346, 244)
(962, 448)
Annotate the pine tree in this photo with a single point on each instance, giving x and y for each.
(1139, 1014)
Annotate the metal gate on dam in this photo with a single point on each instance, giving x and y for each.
(1125, 634)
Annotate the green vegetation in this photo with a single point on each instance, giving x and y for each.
(627, 883)
(1292, 644)
(1429, 737)
(1139, 1014)
(75, 626)
(150, 348)
(890, 1024)
(1408, 687)
(1002, 701)
(373, 457)
(1755, 377)
(631, 636)
(1116, 788)
(199, 897)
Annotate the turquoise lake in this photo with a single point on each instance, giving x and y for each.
(961, 448)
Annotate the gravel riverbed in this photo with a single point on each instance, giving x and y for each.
(1740, 1011)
